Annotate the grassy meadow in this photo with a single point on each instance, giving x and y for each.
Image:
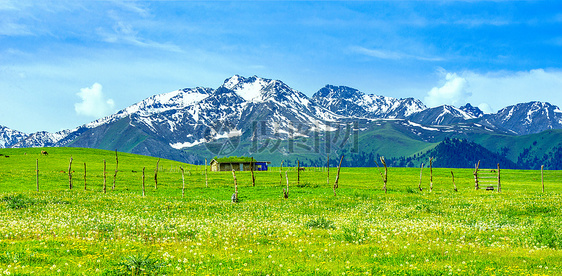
(360, 231)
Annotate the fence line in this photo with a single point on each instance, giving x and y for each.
(485, 179)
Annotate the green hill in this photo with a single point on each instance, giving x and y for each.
(19, 168)
(459, 153)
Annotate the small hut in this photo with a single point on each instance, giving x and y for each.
(237, 164)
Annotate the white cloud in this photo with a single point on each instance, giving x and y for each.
(478, 22)
(452, 92)
(391, 55)
(485, 108)
(501, 89)
(13, 29)
(93, 102)
(8, 5)
(133, 6)
(376, 53)
(495, 90)
(125, 33)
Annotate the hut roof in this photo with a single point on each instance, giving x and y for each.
(235, 159)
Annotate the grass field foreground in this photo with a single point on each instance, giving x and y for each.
(360, 231)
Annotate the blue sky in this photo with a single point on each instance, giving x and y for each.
(66, 63)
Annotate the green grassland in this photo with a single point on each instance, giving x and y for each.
(360, 231)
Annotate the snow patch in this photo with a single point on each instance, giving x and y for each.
(422, 127)
(509, 115)
(187, 144)
(232, 133)
(251, 92)
(232, 82)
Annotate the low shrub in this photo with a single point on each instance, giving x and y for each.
(321, 223)
(17, 201)
(137, 265)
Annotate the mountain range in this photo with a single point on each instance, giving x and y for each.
(271, 121)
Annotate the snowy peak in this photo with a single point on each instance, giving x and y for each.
(279, 92)
(341, 100)
(12, 138)
(250, 89)
(351, 102)
(178, 99)
(441, 115)
(472, 111)
(527, 118)
(338, 92)
(403, 108)
(530, 111)
(9, 137)
(175, 100)
(222, 98)
(256, 90)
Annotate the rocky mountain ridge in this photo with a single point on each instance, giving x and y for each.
(249, 109)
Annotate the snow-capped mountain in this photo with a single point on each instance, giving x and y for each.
(472, 110)
(43, 139)
(249, 109)
(444, 115)
(520, 119)
(351, 102)
(176, 100)
(9, 137)
(189, 117)
(526, 118)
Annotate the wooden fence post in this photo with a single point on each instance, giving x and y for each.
(385, 178)
(37, 174)
(156, 175)
(235, 195)
(286, 192)
(454, 185)
(70, 174)
(421, 172)
(183, 182)
(252, 170)
(143, 194)
(206, 177)
(84, 176)
(104, 178)
(542, 177)
(116, 169)
(337, 176)
(431, 174)
(476, 175)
